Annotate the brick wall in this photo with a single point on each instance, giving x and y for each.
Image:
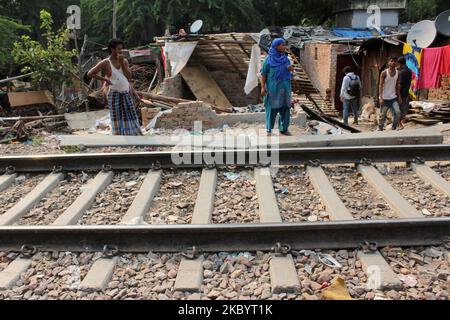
(232, 86)
(184, 115)
(319, 70)
(443, 93)
(173, 87)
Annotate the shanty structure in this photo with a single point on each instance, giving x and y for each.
(217, 69)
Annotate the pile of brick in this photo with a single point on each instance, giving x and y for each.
(184, 115)
(443, 93)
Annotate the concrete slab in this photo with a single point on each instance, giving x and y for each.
(432, 177)
(144, 199)
(85, 200)
(204, 205)
(399, 205)
(210, 141)
(31, 199)
(84, 120)
(6, 181)
(99, 275)
(380, 274)
(10, 275)
(283, 275)
(268, 206)
(404, 137)
(334, 205)
(190, 275)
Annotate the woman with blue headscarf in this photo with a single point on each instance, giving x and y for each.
(276, 87)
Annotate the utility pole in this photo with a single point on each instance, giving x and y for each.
(115, 19)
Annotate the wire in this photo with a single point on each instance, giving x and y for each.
(349, 48)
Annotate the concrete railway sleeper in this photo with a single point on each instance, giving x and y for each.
(268, 233)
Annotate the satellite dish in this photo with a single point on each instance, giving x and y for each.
(422, 34)
(443, 23)
(288, 34)
(196, 26)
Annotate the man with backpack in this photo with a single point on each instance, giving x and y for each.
(350, 94)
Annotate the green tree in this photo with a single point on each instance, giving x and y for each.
(10, 31)
(50, 61)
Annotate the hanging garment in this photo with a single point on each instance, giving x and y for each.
(413, 56)
(445, 64)
(431, 68)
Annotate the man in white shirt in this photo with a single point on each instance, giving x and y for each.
(350, 94)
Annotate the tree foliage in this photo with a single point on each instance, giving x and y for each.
(50, 61)
(10, 30)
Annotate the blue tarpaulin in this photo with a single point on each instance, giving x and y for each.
(356, 33)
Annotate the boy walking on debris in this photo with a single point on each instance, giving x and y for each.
(276, 87)
(350, 94)
(124, 116)
(390, 97)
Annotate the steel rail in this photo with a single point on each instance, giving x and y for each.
(220, 158)
(228, 238)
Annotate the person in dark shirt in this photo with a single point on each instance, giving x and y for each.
(405, 85)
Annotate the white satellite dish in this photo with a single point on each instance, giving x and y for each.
(443, 23)
(196, 26)
(288, 34)
(422, 34)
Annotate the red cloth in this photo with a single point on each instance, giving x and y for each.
(430, 73)
(445, 65)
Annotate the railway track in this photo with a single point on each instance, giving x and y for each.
(279, 244)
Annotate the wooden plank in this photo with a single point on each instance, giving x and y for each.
(334, 205)
(399, 205)
(31, 199)
(21, 99)
(429, 175)
(204, 87)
